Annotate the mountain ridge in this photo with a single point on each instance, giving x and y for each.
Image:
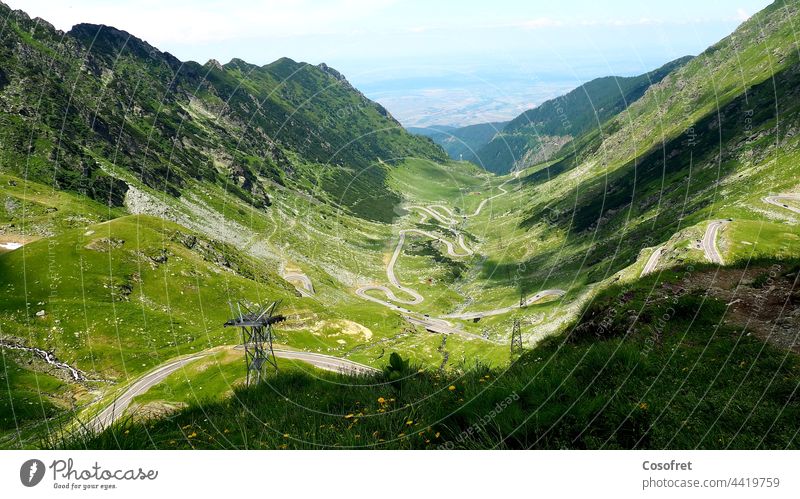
(538, 134)
(270, 111)
(461, 143)
(278, 183)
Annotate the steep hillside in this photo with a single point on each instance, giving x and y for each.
(711, 141)
(714, 140)
(650, 264)
(71, 101)
(615, 382)
(539, 134)
(464, 142)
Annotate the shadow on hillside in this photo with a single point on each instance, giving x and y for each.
(681, 176)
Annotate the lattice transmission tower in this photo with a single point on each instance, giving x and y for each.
(256, 338)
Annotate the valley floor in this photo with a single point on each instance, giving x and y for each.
(439, 286)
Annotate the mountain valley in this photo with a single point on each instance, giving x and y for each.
(640, 234)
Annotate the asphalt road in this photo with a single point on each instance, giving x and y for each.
(438, 216)
(498, 311)
(652, 261)
(451, 249)
(156, 376)
(439, 326)
(416, 298)
(710, 241)
(430, 323)
(445, 216)
(502, 188)
(777, 201)
(326, 362)
(362, 292)
(306, 287)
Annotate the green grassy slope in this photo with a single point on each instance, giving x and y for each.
(71, 102)
(539, 133)
(659, 173)
(123, 293)
(27, 396)
(611, 383)
(123, 296)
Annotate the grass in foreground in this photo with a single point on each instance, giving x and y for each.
(654, 364)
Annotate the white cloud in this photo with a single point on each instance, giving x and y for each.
(742, 15)
(541, 22)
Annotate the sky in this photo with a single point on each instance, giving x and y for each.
(499, 55)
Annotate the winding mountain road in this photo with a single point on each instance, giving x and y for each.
(301, 282)
(451, 249)
(652, 261)
(709, 241)
(442, 327)
(118, 407)
(499, 311)
(416, 298)
(430, 211)
(326, 362)
(451, 218)
(777, 201)
(446, 217)
(501, 187)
